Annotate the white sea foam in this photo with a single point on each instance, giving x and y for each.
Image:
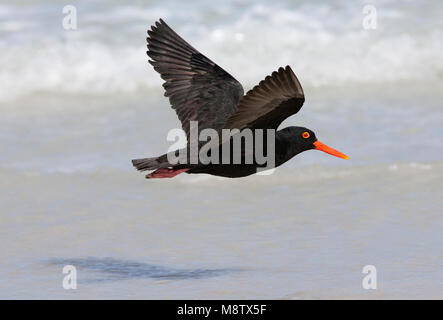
(325, 44)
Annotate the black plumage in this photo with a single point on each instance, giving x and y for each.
(199, 90)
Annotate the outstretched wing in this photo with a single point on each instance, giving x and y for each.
(197, 88)
(274, 99)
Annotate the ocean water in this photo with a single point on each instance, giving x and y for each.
(78, 105)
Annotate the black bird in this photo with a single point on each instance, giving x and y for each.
(199, 90)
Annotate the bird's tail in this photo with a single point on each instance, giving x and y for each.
(148, 163)
(160, 165)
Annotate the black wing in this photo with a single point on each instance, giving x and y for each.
(198, 89)
(274, 99)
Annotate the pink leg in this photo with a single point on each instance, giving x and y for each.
(165, 173)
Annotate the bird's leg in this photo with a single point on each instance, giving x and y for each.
(165, 173)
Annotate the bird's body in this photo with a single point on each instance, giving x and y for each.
(201, 91)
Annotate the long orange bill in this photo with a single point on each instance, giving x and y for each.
(321, 146)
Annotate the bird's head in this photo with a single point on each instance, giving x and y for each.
(305, 139)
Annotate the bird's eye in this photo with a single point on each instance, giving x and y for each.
(305, 135)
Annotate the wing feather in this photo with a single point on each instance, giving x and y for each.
(265, 106)
(197, 88)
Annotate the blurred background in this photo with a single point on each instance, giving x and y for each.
(78, 105)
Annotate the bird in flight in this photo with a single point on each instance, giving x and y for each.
(199, 90)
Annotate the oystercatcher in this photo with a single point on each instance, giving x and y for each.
(199, 90)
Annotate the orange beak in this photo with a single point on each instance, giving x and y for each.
(321, 146)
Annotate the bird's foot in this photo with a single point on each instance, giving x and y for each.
(165, 173)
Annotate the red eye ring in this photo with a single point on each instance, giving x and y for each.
(305, 135)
